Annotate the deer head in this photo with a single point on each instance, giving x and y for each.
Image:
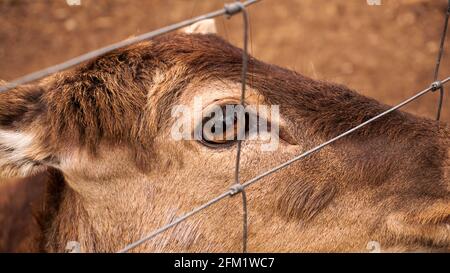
(105, 129)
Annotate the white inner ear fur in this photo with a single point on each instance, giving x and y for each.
(17, 153)
(203, 27)
(15, 145)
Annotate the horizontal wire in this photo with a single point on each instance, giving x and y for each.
(174, 223)
(321, 146)
(232, 192)
(96, 53)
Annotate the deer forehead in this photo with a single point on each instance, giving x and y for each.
(214, 91)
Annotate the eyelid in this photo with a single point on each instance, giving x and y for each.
(261, 118)
(220, 103)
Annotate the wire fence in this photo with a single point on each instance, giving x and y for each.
(238, 187)
(229, 11)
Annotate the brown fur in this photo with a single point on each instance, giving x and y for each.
(372, 185)
(19, 203)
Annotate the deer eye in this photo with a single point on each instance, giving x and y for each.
(220, 128)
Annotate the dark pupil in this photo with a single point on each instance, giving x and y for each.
(228, 126)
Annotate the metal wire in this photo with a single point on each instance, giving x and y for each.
(239, 141)
(438, 62)
(176, 222)
(433, 87)
(96, 53)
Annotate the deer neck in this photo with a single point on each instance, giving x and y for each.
(101, 221)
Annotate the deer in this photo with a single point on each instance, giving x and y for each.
(96, 140)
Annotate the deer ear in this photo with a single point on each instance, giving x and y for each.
(21, 111)
(203, 27)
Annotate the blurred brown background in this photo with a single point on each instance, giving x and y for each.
(386, 52)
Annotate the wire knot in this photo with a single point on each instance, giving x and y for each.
(233, 8)
(236, 188)
(436, 85)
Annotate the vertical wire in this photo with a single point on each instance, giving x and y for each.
(438, 62)
(239, 142)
